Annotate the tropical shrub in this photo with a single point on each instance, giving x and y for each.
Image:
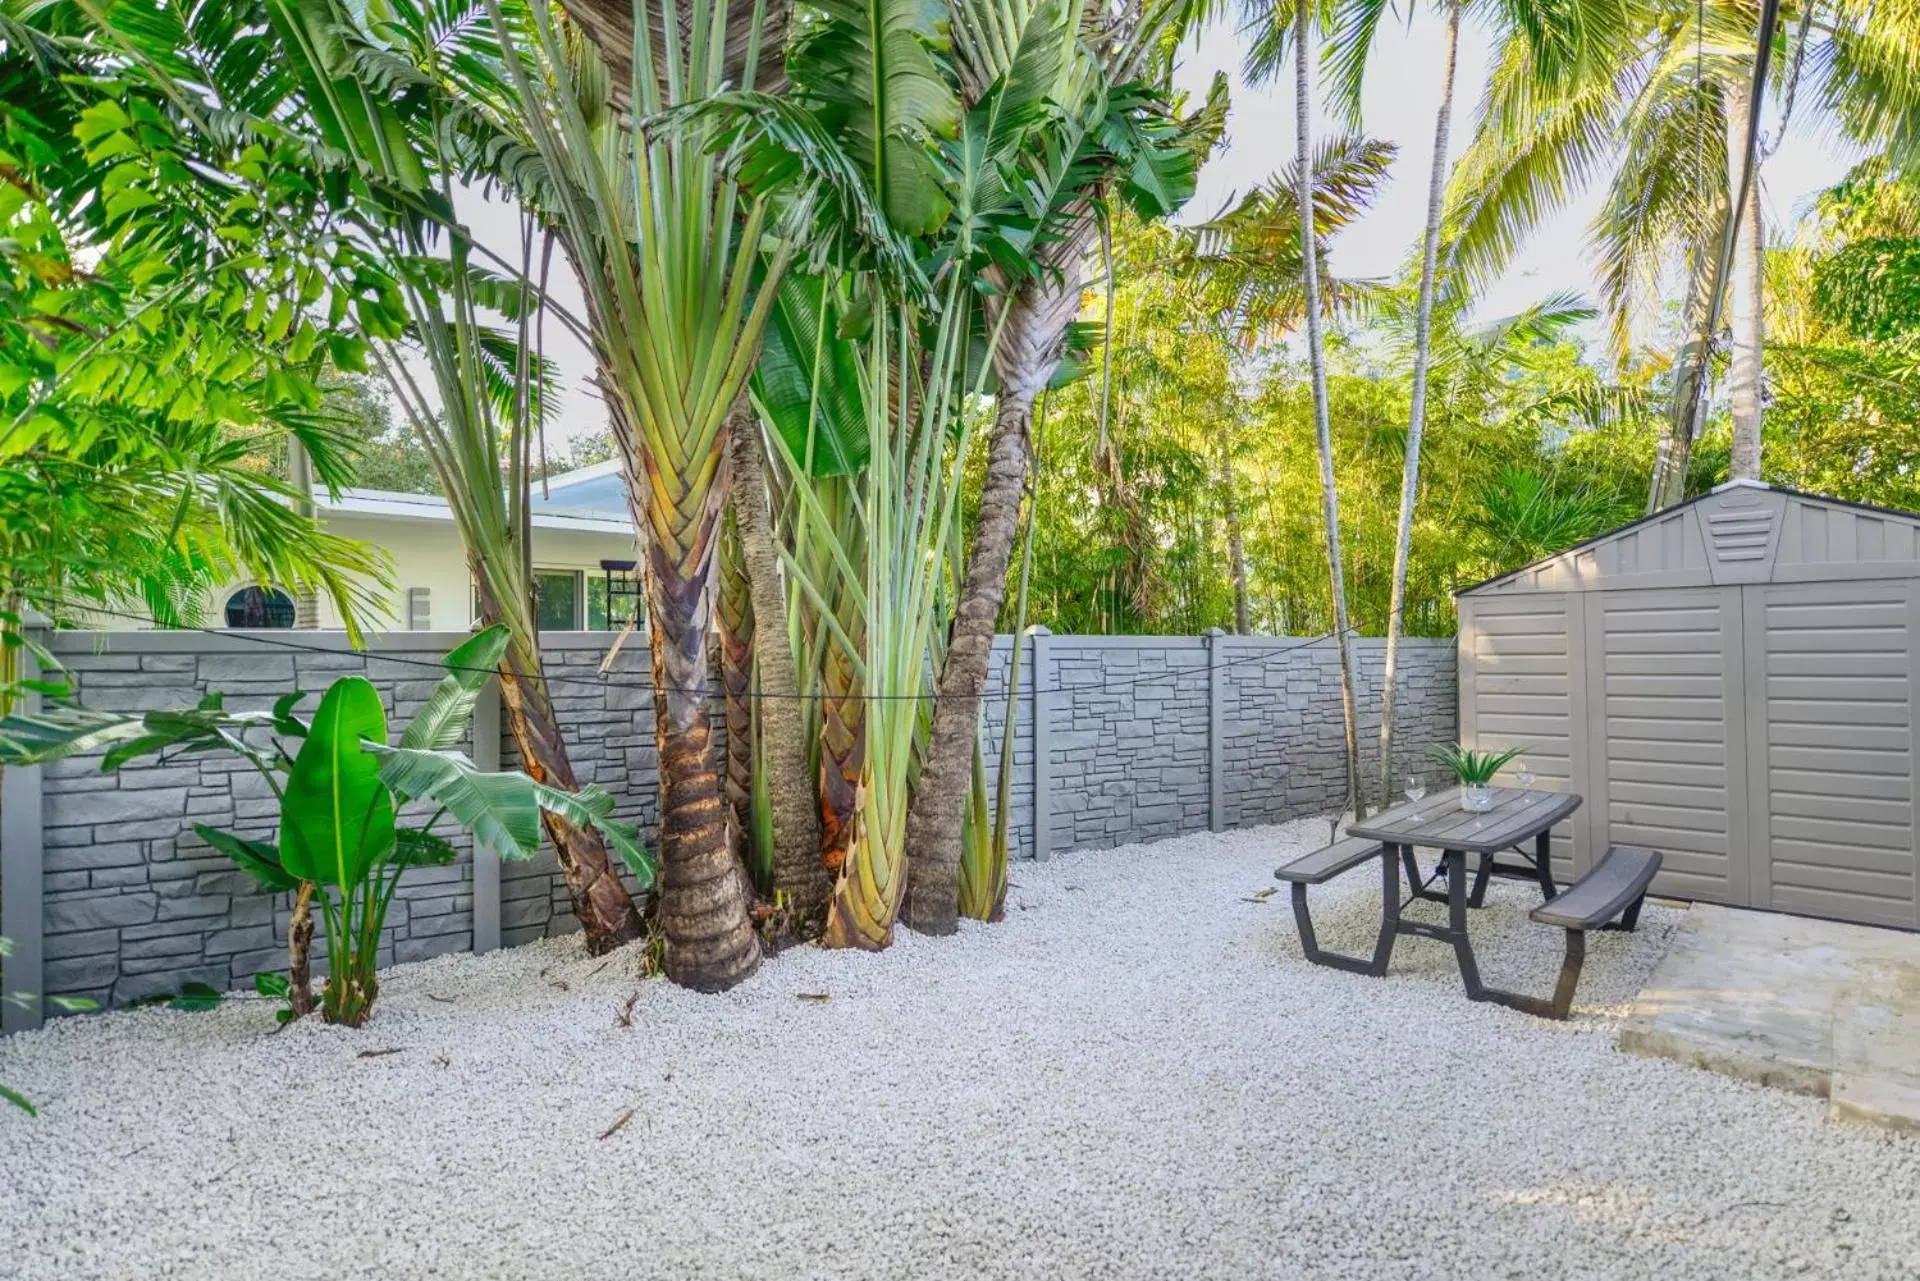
(1476, 769)
(341, 789)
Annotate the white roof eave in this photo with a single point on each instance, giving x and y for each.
(381, 502)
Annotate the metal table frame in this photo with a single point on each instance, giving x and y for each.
(1438, 822)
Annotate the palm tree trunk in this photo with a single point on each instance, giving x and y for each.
(1317, 362)
(798, 872)
(1032, 336)
(306, 601)
(736, 683)
(939, 799)
(704, 896)
(605, 909)
(1747, 320)
(1236, 539)
(1692, 368)
(1417, 410)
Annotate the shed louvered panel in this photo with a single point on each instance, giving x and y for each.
(1836, 802)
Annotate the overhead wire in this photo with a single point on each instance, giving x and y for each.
(608, 680)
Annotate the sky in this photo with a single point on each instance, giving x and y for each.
(1400, 96)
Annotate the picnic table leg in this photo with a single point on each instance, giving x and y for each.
(1457, 895)
(1389, 908)
(1479, 896)
(1376, 965)
(1543, 864)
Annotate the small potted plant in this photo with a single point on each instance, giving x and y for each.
(1475, 770)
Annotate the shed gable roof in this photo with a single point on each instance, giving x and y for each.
(1741, 532)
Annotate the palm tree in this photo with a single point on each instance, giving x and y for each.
(1658, 102)
(799, 874)
(310, 77)
(666, 246)
(481, 429)
(1317, 364)
(1548, 29)
(1096, 56)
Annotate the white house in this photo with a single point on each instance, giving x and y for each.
(584, 555)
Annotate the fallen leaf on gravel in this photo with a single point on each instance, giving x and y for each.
(818, 998)
(380, 1054)
(615, 1128)
(1261, 896)
(444, 1000)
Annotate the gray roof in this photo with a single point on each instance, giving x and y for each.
(1741, 532)
(599, 488)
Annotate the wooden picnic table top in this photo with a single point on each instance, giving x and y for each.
(1438, 822)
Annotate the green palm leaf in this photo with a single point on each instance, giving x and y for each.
(258, 859)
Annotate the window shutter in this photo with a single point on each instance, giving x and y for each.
(420, 609)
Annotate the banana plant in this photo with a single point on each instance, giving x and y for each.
(342, 787)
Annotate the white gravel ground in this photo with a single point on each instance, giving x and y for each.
(1134, 1076)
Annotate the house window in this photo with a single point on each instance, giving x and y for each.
(556, 600)
(613, 600)
(259, 607)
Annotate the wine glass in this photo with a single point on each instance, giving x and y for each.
(1416, 787)
(1524, 772)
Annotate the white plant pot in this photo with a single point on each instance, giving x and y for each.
(1476, 798)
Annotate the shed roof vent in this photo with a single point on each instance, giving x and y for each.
(1741, 533)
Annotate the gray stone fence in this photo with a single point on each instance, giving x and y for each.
(107, 892)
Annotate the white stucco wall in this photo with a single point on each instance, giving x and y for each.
(425, 552)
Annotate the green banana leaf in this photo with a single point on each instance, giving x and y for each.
(336, 819)
(258, 859)
(592, 806)
(499, 809)
(442, 723)
(418, 847)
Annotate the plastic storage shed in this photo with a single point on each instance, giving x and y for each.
(1730, 682)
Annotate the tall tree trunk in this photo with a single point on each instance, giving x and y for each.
(798, 870)
(704, 895)
(605, 909)
(1692, 370)
(736, 684)
(1317, 362)
(300, 953)
(843, 740)
(306, 601)
(1236, 539)
(1032, 337)
(1748, 320)
(1417, 409)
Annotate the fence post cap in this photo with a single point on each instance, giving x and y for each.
(1041, 629)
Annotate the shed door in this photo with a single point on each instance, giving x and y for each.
(1833, 806)
(1669, 736)
(1518, 654)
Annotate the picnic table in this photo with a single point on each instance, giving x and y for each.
(1607, 897)
(1436, 822)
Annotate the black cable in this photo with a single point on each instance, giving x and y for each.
(605, 682)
